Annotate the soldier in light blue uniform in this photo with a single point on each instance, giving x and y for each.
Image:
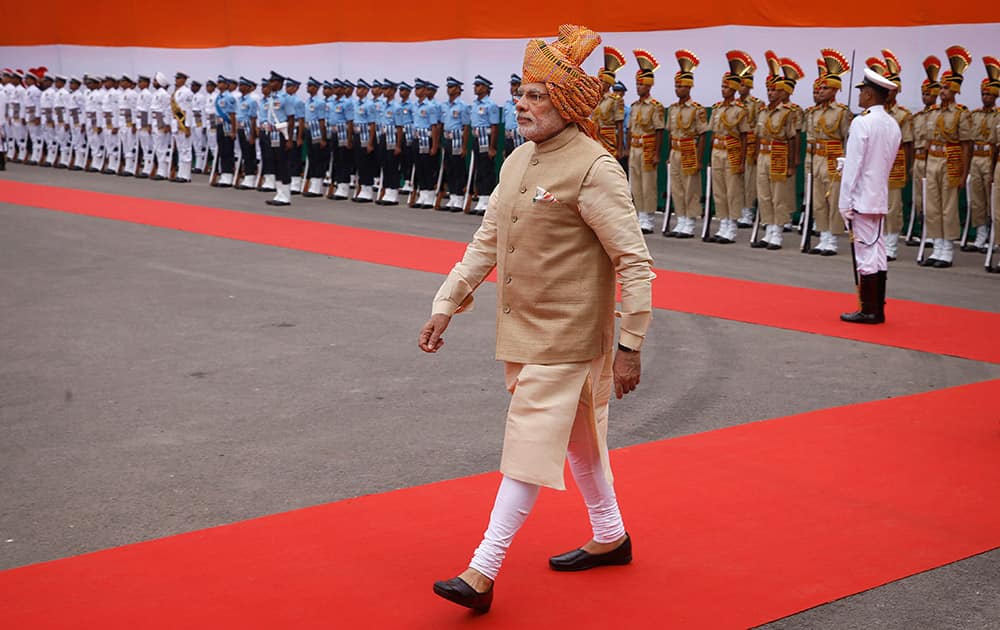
(404, 134)
(246, 122)
(364, 141)
(281, 125)
(455, 126)
(512, 137)
(619, 89)
(225, 109)
(388, 148)
(295, 163)
(340, 122)
(264, 139)
(426, 142)
(485, 121)
(315, 138)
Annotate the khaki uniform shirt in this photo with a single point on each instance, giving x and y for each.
(687, 120)
(983, 122)
(948, 124)
(904, 119)
(645, 117)
(920, 129)
(730, 120)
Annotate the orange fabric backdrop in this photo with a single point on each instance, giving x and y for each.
(255, 23)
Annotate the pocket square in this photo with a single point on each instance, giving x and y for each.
(543, 195)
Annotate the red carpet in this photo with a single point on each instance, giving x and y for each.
(913, 325)
(732, 528)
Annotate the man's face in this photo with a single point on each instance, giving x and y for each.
(312, 89)
(892, 95)
(866, 97)
(928, 97)
(773, 95)
(143, 84)
(208, 88)
(727, 92)
(46, 83)
(389, 93)
(641, 89)
(827, 94)
(348, 91)
(73, 86)
(404, 94)
(245, 89)
(537, 118)
(817, 97)
(682, 91)
(180, 81)
(481, 90)
(454, 91)
(291, 89)
(514, 87)
(362, 92)
(108, 84)
(430, 93)
(327, 91)
(744, 91)
(29, 81)
(947, 94)
(989, 99)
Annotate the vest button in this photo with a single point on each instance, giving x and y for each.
(534, 162)
(506, 309)
(508, 279)
(510, 249)
(523, 190)
(514, 219)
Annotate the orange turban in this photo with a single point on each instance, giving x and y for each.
(574, 93)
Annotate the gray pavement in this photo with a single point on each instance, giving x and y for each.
(154, 382)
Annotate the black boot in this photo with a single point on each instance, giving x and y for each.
(880, 304)
(869, 295)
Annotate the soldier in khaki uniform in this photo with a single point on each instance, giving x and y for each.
(995, 202)
(610, 113)
(827, 124)
(984, 121)
(904, 156)
(645, 130)
(929, 90)
(753, 105)
(730, 125)
(687, 123)
(778, 127)
(949, 151)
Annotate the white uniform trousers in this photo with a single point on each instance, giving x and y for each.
(95, 142)
(869, 244)
(64, 140)
(144, 139)
(79, 135)
(113, 148)
(130, 148)
(19, 136)
(182, 144)
(37, 135)
(162, 145)
(51, 144)
(199, 146)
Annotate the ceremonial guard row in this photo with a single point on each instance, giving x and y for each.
(369, 142)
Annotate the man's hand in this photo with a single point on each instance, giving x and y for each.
(430, 335)
(626, 369)
(492, 153)
(847, 214)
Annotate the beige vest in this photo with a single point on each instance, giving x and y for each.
(555, 283)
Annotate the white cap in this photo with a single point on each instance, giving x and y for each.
(160, 78)
(874, 77)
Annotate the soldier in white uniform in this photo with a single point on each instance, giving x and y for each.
(112, 124)
(94, 121)
(128, 104)
(183, 117)
(33, 115)
(198, 127)
(63, 103)
(211, 119)
(160, 111)
(47, 107)
(872, 146)
(78, 123)
(144, 127)
(19, 130)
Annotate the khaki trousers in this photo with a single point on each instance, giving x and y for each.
(775, 200)
(684, 189)
(979, 176)
(727, 187)
(942, 201)
(825, 197)
(549, 404)
(750, 184)
(642, 182)
(996, 204)
(894, 219)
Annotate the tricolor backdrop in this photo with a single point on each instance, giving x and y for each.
(436, 38)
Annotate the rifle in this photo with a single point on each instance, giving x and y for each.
(807, 217)
(706, 224)
(913, 216)
(667, 209)
(993, 233)
(923, 227)
(412, 197)
(437, 187)
(854, 254)
(967, 227)
(468, 184)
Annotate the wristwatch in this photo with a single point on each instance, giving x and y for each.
(624, 348)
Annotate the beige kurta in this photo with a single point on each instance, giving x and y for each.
(559, 228)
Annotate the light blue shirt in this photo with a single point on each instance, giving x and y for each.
(316, 108)
(247, 109)
(426, 114)
(454, 115)
(510, 115)
(484, 113)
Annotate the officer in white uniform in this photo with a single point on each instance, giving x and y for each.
(112, 123)
(63, 104)
(78, 122)
(198, 127)
(162, 114)
(144, 127)
(93, 116)
(872, 144)
(33, 115)
(47, 107)
(180, 126)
